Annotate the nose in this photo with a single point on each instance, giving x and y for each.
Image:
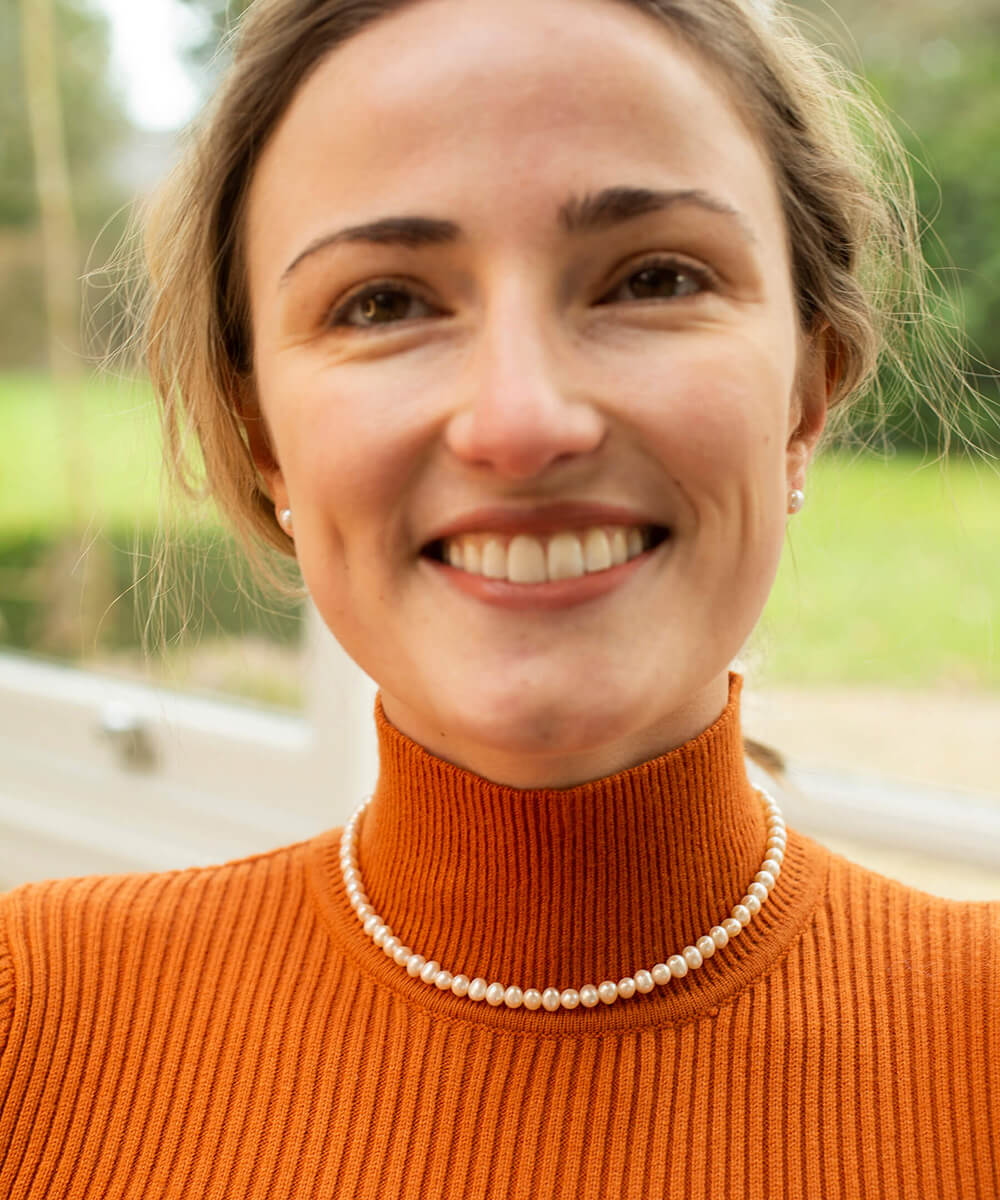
(519, 411)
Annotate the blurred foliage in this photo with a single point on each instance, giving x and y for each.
(41, 575)
(95, 129)
(934, 65)
(92, 113)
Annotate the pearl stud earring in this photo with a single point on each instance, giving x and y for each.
(796, 499)
(285, 520)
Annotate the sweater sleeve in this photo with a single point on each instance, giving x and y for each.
(6, 980)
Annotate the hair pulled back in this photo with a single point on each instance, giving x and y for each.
(842, 179)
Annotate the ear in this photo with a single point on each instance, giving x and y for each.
(259, 442)
(816, 381)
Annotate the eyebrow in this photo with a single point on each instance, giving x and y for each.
(613, 206)
(591, 213)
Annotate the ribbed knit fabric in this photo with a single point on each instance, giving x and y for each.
(231, 1031)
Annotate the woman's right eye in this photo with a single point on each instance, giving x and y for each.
(379, 305)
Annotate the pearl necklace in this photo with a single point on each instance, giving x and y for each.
(430, 971)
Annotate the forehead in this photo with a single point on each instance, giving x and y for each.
(501, 110)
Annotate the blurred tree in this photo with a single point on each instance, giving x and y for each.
(93, 115)
(935, 64)
(93, 128)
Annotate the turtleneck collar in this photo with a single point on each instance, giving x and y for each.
(563, 887)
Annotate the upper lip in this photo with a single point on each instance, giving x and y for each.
(544, 518)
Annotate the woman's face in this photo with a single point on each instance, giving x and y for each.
(521, 299)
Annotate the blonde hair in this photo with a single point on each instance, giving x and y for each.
(842, 176)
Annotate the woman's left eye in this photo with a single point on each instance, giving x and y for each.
(381, 304)
(660, 281)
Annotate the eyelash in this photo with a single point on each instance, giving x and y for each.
(702, 277)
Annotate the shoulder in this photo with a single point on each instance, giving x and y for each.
(88, 933)
(913, 932)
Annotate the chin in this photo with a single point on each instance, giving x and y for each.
(536, 721)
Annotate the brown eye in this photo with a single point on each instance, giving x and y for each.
(661, 281)
(652, 283)
(384, 306)
(379, 306)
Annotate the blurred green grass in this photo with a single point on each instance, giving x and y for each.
(40, 489)
(891, 574)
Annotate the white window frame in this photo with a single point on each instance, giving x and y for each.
(228, 779)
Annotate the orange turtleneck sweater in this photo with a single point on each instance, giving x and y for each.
(231, 1031)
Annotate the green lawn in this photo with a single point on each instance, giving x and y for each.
(42, 484)
(891, 574)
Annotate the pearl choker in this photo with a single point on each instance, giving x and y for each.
(429, 971)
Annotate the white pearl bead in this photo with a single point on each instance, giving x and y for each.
(719, 936)
(644, 982)
(775, 857)
(751, 904)
(390, 946)
(372, 922)
(495, 993)
(551, 999)
(758, 890)
(443, 980)
(589, 997)
(513, 997)
(661, 974)
(678, 966)
(429, 970)
(626, 987)
(415, 963)
(569, 998)
(732, 927)
(766, 878)
(533, 999)
(742, 914)
(706, 946)
(401, 954)
(460, 985)
(692, 956)
(608, 991)
(477, 989)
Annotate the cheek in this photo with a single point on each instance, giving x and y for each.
(718, 411)
(342, 446)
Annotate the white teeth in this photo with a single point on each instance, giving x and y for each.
(565, 557)
(527, 559)
(597, 550)
(495, 560)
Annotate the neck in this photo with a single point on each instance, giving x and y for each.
(593, 752)
(558, 887)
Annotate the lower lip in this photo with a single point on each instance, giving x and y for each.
(561, 593)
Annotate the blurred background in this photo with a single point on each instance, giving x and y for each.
(876, 669)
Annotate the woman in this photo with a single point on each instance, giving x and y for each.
(518, 326)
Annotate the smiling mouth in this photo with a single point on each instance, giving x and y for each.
(530, 558)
